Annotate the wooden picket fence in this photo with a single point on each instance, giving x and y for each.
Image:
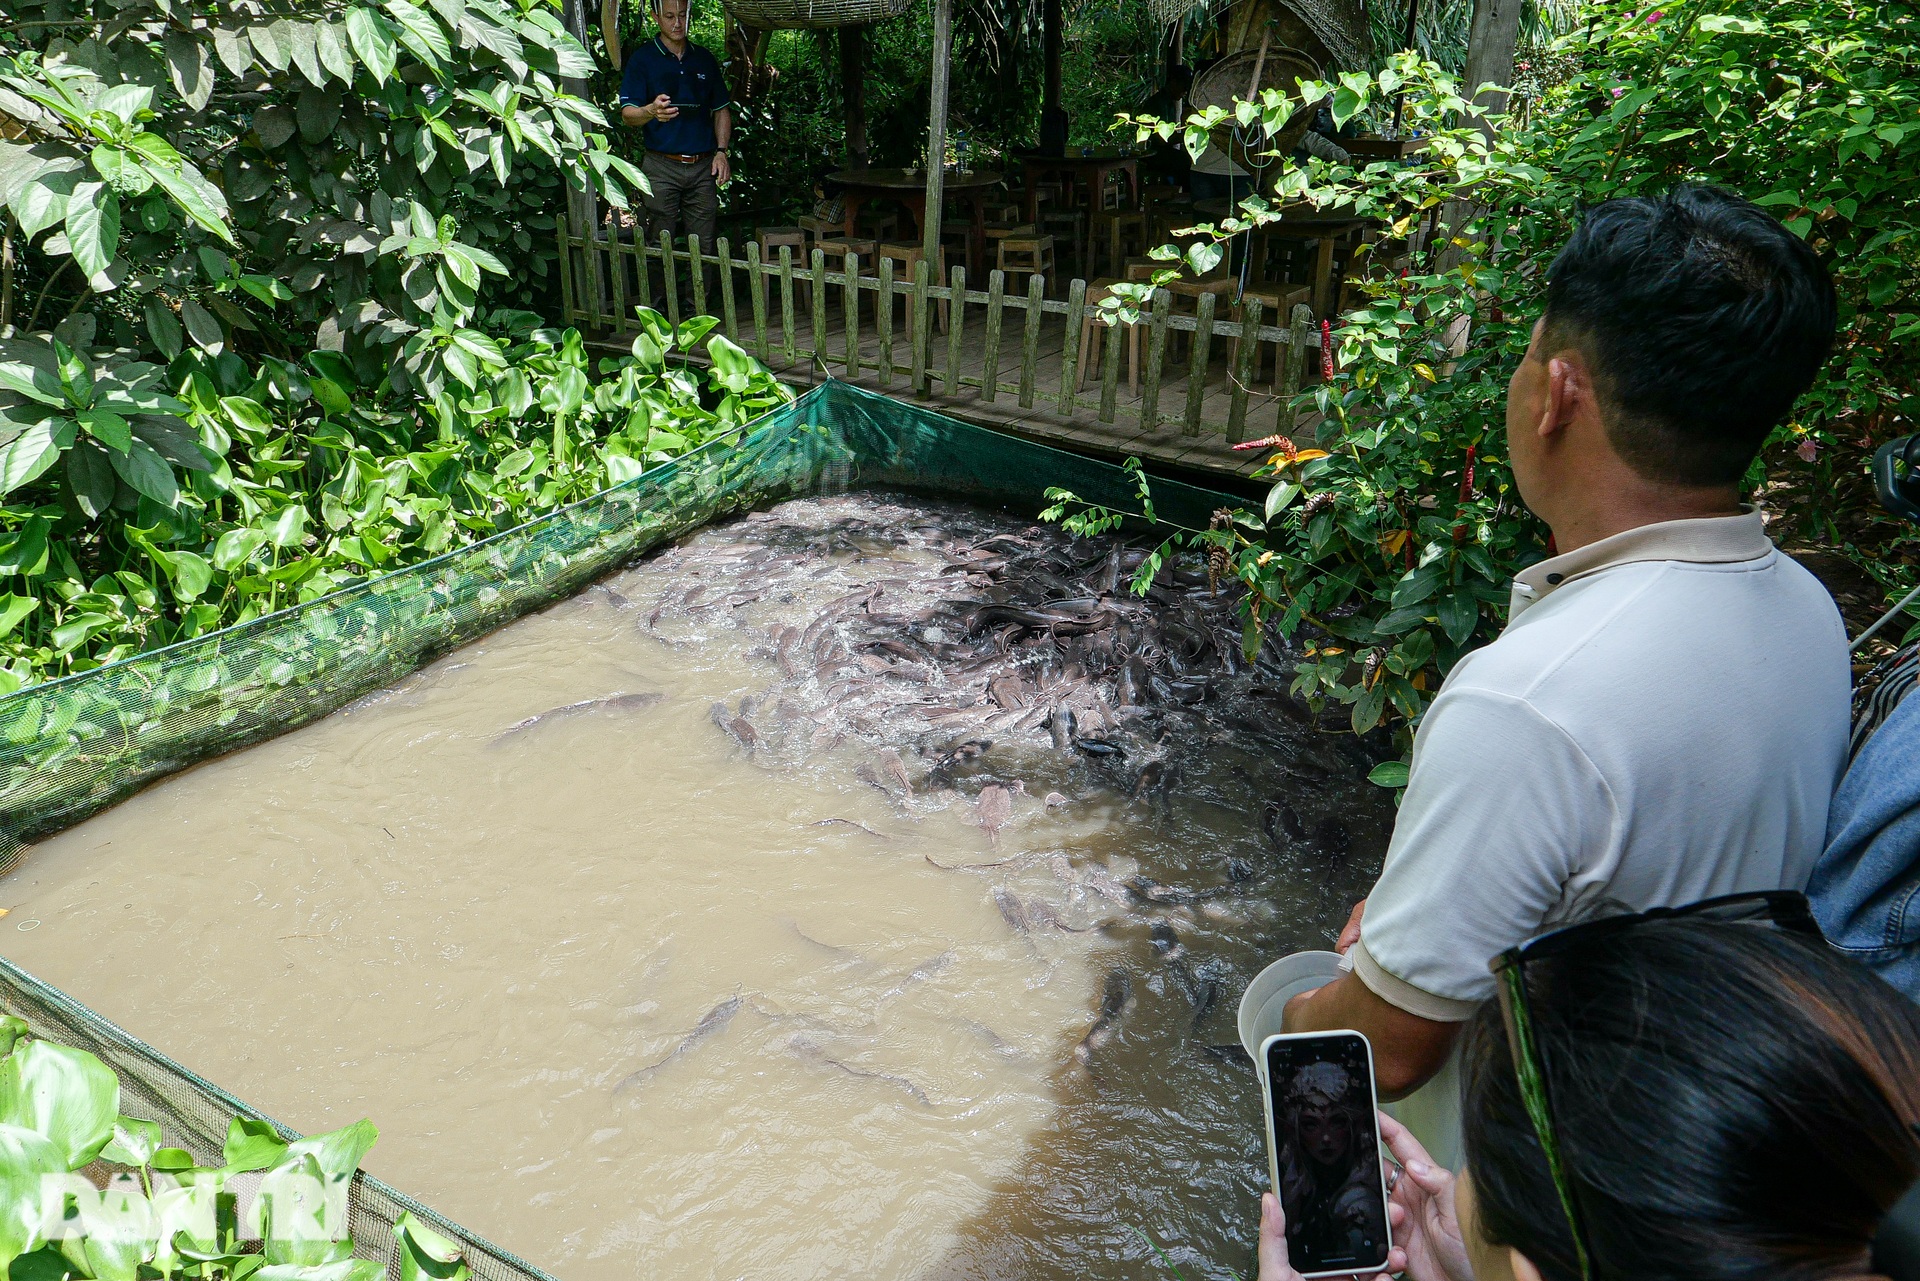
(995, 343)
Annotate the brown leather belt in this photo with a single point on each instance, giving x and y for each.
(685, 160)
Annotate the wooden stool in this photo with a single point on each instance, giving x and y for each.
(770, 240)
(1277, 300)
(880, 224)
(820, 228)
(1096, 291)
(1069, 225)
(865, 254)
(1027, 255)
(908, 256)
(1115, 228)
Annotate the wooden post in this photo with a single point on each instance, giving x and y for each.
(1070, 348)
(883, 321)
(727, 312)
(786, 301)
(1053, 118)
(1242, 372)
(937, 128)
(1292, 365)
(1156, 356)
(1030, 340)
(671, 275)
(990, 357)
(1490, 45)
(918, 376)
(757, 281)
(956, 321)
(820, 307)
(1197, 362)
(853, 92)
(851, 297)
(583, 207)
(1407, 42)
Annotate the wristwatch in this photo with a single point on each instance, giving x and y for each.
(722, 150)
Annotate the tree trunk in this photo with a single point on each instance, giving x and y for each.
(854, 94)
(937, 128)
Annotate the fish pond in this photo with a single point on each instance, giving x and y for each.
(858, 887)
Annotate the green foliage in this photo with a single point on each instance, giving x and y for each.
(1393, 549)
(159, 1214)
(338, 179)
(296, 479)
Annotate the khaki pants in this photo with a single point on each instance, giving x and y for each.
(684, 202)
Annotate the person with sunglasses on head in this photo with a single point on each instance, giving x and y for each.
(1664, 717)
(1673, 1096)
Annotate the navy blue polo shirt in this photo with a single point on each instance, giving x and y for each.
(653, 70)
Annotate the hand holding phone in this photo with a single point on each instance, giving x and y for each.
(1323, 1152)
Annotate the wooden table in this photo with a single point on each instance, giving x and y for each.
(1384, 148)
(862, 185)
(1302, 222)
(1093, 166)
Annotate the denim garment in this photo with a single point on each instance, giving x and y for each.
(1866, 886)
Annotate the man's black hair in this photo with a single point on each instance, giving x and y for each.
(1703, 318)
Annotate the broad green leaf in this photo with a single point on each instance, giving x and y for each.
(121, 1231)
(306, 53)
(202, 327)
(564, 393)
(288, 526)
(107, 427)
(274, 125)
(1389, 774)
(93, 226)
(372, 38)
(199, 199)
(90, 474)
(1459, 614)
(330, 43)
(251, 1144)
(236, 54)
(190, 67)
(163, 327)
(1280, 497)
(27, 456)
(28, 367)
(14, 608)
(273, 41)
(28, 1159)
(340, 1151)
(147, 473)
(426, 1255)
(134, 1141)
(66, 1095)
(420, 33)
(317, 110)
(232, 550)
(124, 100)
(41, 202)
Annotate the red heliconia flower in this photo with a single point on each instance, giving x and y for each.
(1326, 350)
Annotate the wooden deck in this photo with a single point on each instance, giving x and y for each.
(1006, 358)
(1080, 429)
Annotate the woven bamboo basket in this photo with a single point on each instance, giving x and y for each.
(794, 15)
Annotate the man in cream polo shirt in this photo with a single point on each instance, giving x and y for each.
(1665, 716)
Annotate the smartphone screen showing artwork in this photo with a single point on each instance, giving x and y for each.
(1324, 1148)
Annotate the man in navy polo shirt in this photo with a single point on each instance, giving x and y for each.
(672, 90)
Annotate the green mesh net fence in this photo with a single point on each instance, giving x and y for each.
(74, 746)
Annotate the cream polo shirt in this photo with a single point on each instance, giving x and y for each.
(1663, 720)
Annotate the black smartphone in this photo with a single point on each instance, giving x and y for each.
(688, 106)
(1323, 1151)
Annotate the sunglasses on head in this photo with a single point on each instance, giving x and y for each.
(1785, 909)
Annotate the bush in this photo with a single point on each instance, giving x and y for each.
(1388, 548)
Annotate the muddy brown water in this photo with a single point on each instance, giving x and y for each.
(624, 992)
